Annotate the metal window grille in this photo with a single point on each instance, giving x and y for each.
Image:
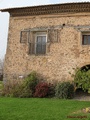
(40, 45)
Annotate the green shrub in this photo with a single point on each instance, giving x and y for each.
(1, 77)
(51, 92)
(16, 91)
(12, 88)
(1, 85)
(30, 82)
(64, 90)
(82, 79)
(26, 93)
(23, 89)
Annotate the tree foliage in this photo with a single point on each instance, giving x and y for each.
(82, 79)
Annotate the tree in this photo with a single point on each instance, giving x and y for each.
(1, 68)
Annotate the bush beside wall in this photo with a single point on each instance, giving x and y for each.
(26, 88)
(33, 87)
(82, 80)
(41, 90)
(44, 89)
(64, 90)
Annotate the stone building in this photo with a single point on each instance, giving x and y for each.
(48, 39)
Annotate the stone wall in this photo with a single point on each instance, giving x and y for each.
(63, 56)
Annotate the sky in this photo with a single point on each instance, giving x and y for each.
(4, 17)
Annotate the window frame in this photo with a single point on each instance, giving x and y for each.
(85, 34)
(40, 34)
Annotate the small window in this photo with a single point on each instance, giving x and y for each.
(86, 40)
(40, 47)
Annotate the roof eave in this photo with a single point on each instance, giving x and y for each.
(49, 9)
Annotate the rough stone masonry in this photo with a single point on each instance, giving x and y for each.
(71, 21)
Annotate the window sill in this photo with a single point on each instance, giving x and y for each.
(38, 55)
(85, 45)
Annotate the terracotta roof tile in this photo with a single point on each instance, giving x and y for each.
(49, 9)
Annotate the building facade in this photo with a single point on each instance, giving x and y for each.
(48, 39)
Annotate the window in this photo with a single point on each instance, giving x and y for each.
(39, 40)
(40, 47)
(38, 43)
(86, 40)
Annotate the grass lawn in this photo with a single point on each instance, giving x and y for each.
(41, 109)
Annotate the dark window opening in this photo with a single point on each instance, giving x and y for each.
(86, 40)
(86, 68)
(40, 44)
